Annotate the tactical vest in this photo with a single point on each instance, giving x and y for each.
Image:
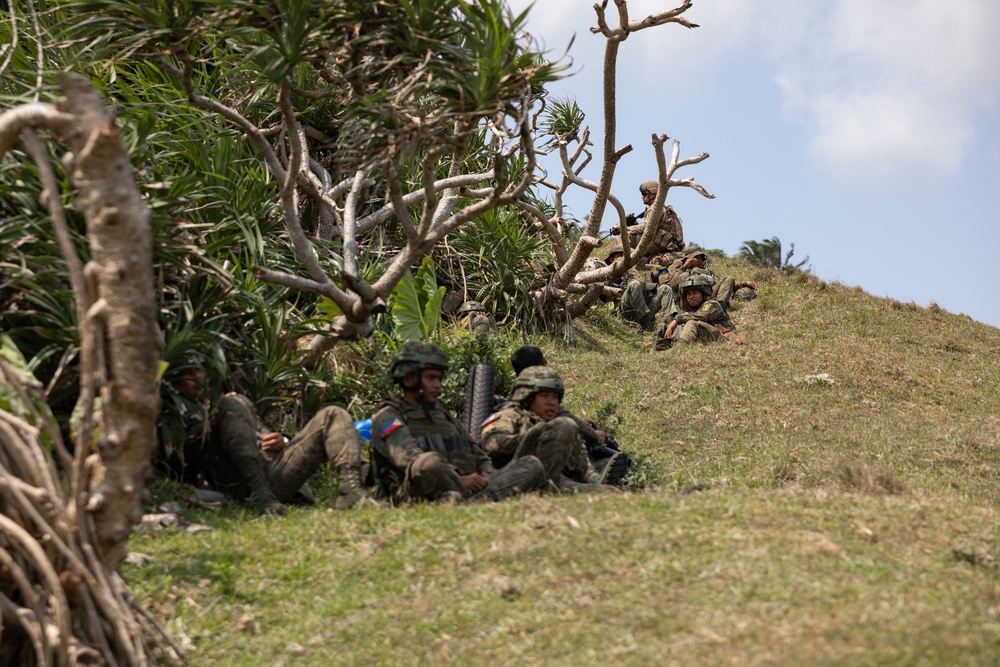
(441, 433)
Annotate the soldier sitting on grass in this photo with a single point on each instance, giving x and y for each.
(694, 263)
(420, 452)
(229, 448)
(641, 299)
(699, 318)
(601, 447)
(529, 425)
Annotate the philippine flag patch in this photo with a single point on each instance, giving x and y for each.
(488, 425)
(391, 426)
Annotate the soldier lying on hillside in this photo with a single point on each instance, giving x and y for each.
(700, 319)
(694, 263)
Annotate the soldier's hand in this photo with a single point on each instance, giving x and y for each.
(474, 482)
(273, 442)
(752, 285)
(615, 231)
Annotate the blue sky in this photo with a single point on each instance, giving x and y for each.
(866, 132)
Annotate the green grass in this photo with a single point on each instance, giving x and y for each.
(853, 523)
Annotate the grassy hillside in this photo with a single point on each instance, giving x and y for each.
(847, 520)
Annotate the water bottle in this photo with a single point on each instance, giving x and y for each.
(364, 429)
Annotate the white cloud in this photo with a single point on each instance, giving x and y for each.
(887, 85)
(882, 84)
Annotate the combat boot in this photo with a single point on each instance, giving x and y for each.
(353, 493)
(661, 344)
(592, 475)
(450, 498)
(261, 496)
(614, 468)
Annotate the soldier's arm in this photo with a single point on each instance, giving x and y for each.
(671, 328)
(501, 434)
(484, 466)
(392, 439)
(587, 432)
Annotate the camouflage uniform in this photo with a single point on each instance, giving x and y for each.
(515, 432)
(723, 288)
(475, 318)
(669, 237)
(605, 455)
(420, 452)
(613, 464)
(236, 462)
(698, 325)
(640, 301)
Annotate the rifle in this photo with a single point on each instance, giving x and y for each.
(630, 219)
(731, 335)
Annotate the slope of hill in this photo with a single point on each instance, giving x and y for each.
(851, 515)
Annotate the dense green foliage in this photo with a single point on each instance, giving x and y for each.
(216, 212)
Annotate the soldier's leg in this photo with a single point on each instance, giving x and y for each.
(687, 333)
(694, 331)
(614, 469)
(329, 436)
(722, 290)
(554, 446)
(521, 475)
(581, 468)
(236, 425)
(663, 302)
(635, 307)
(429, 477)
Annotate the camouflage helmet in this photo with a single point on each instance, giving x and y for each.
(651, 187)
(695, 251)
(471, 307)
(616, 248)
(701, 283)
(535, 379)
(415, 356)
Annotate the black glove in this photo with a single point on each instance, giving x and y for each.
(610, 442)
(598, 453)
